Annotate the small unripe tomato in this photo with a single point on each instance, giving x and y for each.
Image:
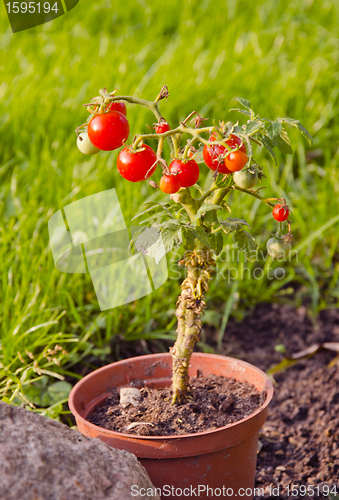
(236, 161)
(108, 131)
(277, 249)
(170, 184)
(137, 166)
(118, 106)
(188, 172)
(280, 213)
(85, 145)
(245, 179)
(162, 127)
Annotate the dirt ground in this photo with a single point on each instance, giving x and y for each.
(300, 440)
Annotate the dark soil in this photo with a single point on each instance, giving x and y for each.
(300, 440)
(218, 401)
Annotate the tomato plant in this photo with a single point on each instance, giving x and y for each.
(280, 212)
(193, 216)
(136, 166)
(170, 184)
(188, 172)
(108, 131)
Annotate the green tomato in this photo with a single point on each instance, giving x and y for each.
(85, 145)
(245, 179)
(277, 249)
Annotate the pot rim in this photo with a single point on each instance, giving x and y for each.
(218, 357)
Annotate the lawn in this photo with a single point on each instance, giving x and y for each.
(282, 56)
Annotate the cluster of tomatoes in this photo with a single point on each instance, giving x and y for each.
(109, 130)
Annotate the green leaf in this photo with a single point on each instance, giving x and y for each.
(188, 236)
(157, 207)
(244, 102)
(169, 236)
(207, 207)
(223, 181)
(59, 390)
(216, 241)
(297, 124)
(266, 141)
(210, 218)
(246, 243)
(252, 127)
(169, 223)
(243, 111)
(273, 129)
(202, 235)
(232, 224)
(282, 141)
(305, 133)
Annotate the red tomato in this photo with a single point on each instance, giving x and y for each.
(236, 161)
(188, 172)
(136, 167)
(234, 141)
(108, 131)
(280, 213)
(211, 157)
(162, 127)
(170, 184)
(118, 106)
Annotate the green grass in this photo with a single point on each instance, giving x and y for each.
(283, 56)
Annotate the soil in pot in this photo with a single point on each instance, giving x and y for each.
(216, 401)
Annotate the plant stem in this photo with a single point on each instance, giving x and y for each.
(200, 265)
(252, 193)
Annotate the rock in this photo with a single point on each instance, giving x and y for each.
(41, 459)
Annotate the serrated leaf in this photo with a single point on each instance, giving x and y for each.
(232, 224)
(223, 181)
(246, 243)
(273, 129)
(305, 133)
(216, 241)
(291, 121)
(244, 102)
(202, 235)
(157, 207)
(266, 141)
(210, 218)
(170, 235)
(151, 220)
(207, 207)
(282, 141)
(188, 236)
(168, 223)
(297, 124)
(252, 126)
(243, 111)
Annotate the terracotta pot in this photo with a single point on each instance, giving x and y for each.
(223, 459)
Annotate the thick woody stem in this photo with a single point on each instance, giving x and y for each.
(200, 265)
